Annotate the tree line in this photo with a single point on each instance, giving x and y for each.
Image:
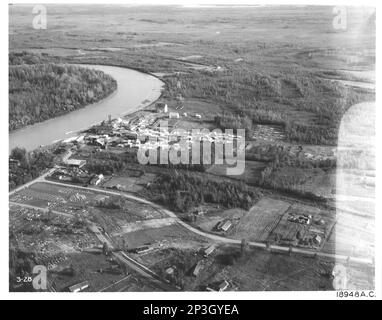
(38, 92)
(27, 165)
(182, 191)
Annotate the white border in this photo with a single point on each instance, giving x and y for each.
(4, 294)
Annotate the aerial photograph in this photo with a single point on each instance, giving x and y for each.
(185, 148)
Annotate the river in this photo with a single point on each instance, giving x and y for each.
(135, 91)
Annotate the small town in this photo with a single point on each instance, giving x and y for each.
(192, 153)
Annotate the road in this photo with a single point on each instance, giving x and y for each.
(24, 205)
(133, 264)
(40, 178)
(129, 262)
(221, 239)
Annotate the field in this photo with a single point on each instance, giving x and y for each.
(261, 219)
(253, 270)
(251, 174)
(128, 184)
(60, 243)
(110, 211)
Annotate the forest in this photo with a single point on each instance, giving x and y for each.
(38, 92)
(182, 191)
(27, 166)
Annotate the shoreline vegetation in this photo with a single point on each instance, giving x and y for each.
(42, 91)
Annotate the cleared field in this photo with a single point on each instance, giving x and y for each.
(167, 236)
(212, 217)
(202, 107)
(257, 270)
(49, 195)
(143, 225)
(251, 175)
(87, 267)
(305, 181)
(60, 243)
(123, 183)
(261, 219)
(268, 133)
(48, 234)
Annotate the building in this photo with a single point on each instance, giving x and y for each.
(13, 163)
(100, 142)
(79, 287)
(74, 163)
(170, 271)
(317, 239)
(226, 226)
(198, 212)
(223, 286)
(174, 115)
(161, 107)
(302, 219)
(143, 249)
(209, 250)
(198, 268)
(96, 179)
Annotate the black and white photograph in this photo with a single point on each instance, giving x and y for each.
(216, 148)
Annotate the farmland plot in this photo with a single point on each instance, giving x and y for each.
(261, 219)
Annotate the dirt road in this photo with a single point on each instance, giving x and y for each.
(220, 239)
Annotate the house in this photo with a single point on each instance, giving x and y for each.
(198, 116)
(161, 107)
(74, 163)
(100, 142)
(226, 226)
(170, 270)
(198, 268)
(209, 250)
(302, 219)
(174, 115)
(13, 163)
(143, 249)
(198, 212)
(317, 239)
(223, 286)
(96, 179)
(79, 287)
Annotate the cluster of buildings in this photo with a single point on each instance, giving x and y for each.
(143, 129)
(300, 218)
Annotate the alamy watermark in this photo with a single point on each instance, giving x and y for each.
(38, 279)
(195, 147)
(40, 20)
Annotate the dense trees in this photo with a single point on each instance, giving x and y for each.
(25, 57)
(182, 191)
(27, 166)
(38, 92)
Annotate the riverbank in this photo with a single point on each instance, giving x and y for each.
(135, 91)
(40, 92)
